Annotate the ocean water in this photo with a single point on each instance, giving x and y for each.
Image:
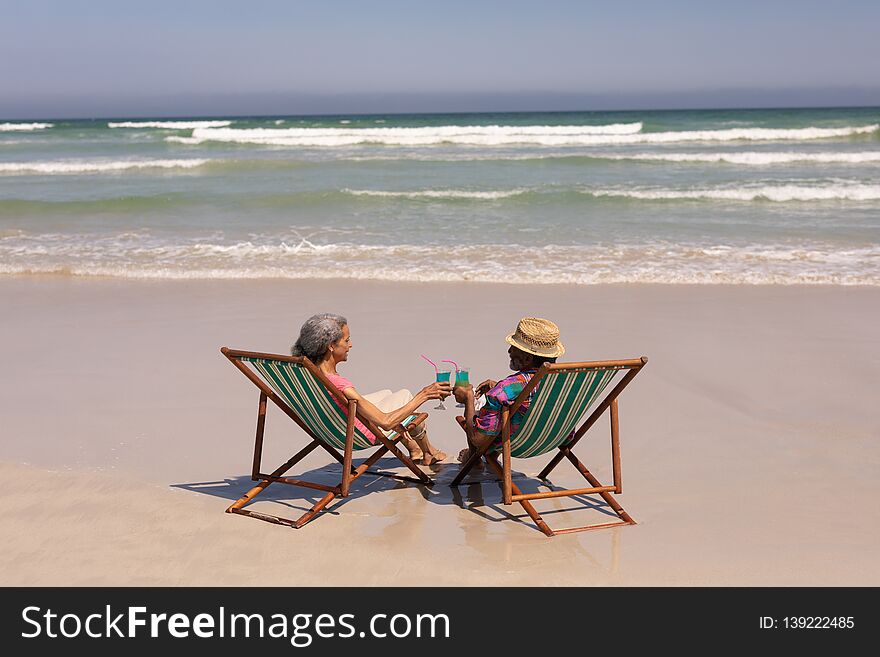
(788, 196)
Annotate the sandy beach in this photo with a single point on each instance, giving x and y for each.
(750, 440)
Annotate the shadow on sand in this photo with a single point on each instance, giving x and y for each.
(479, 494)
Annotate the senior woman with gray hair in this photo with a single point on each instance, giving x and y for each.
(325, 340)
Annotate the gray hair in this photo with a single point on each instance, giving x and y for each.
(317, 334)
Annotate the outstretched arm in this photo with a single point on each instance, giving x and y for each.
(387, 421)
(465, 395)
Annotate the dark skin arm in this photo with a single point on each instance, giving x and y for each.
(484, 387)
(465, 395)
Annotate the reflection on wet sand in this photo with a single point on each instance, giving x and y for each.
(481, 532)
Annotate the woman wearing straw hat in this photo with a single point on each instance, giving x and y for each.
(535, 342)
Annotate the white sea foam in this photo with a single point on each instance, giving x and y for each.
(439, 193)
(24, 127)
(470, 135)
(184, 140)
(84, 166)
(778, 193)
(169, 125)
(751, 134)
(837, 191)
(831, 191)
(753, 158)
(616, 134)
(143, 256)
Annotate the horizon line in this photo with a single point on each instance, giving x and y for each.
(435, 113)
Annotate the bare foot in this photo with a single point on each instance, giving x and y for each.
(433, 455)
(465, 454)
(415, 452)
(430, 452)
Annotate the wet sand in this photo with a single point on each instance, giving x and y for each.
(750, 451)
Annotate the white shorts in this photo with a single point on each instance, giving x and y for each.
(387, 401)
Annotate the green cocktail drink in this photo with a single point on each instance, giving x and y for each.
(443, 376)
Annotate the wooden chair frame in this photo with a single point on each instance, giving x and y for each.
(511, 492)
(349, 473)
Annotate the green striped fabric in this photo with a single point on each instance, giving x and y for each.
(561, 400)
(311, 401)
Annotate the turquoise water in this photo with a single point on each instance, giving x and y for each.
(739, 196)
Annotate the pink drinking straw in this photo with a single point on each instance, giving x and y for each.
(453, 362)
(436, 369)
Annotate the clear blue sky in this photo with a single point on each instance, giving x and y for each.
(103, 58)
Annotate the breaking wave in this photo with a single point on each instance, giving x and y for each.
(169, 125)
(835, 191)
(27, 127)
(615, 134)
(82, 166)
(141, 256)
(752, 158)
(440, 193)
(777, 193)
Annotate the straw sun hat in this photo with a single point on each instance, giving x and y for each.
(537, 336)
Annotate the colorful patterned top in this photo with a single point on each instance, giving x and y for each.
(488, 419)
(341, 384)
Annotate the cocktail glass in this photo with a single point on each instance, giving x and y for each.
(462, 378)
(443, 375)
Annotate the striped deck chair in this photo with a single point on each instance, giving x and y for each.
(306, 396)
(563, 394)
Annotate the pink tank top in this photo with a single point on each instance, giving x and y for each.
(341, 384)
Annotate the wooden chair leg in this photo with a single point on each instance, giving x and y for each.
(315, 510)
(361, 469)
(258, 442)
(507, 479)
(468, 465)
(324, 501)
(472, 460)
(247, 497)
(349, 447)
(615, 447)
(268, 479)
(533, 513)
(623, 515)
(394, 449)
